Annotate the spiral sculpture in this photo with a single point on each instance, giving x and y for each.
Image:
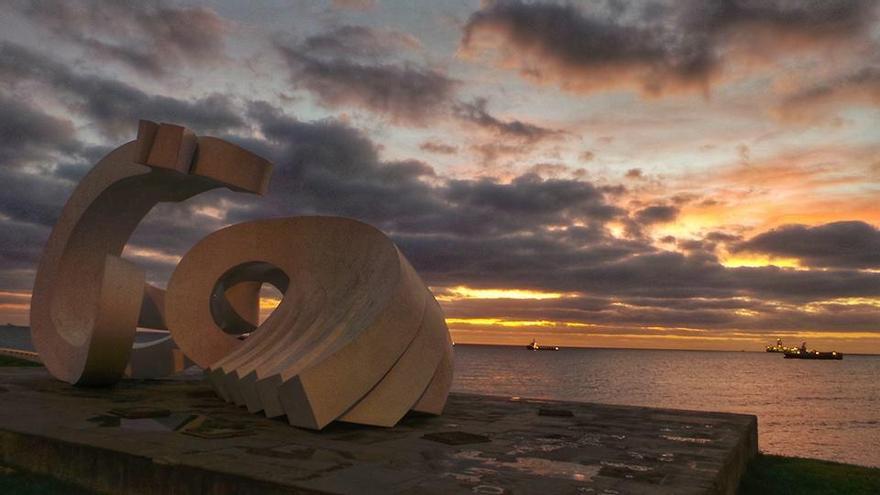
(357, 336)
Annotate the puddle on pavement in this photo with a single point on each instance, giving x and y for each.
(170, 422)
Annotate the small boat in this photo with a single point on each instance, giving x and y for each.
(812, 354)
(779, 347)
(535, 347)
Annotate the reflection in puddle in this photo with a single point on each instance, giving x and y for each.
(163, 424)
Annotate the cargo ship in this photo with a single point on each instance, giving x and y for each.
(812, 354)
(535, 347)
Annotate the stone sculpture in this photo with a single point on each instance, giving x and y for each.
(357, 337)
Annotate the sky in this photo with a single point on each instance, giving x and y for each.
(662, 174)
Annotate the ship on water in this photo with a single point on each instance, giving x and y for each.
(535, 347)
(779, 347)
(802, 352)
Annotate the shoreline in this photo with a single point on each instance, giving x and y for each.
(766, 473)
(561, 347)
(147, 331)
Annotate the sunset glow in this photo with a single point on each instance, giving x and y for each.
(635, 173)
(497, 322)
(462, 292)
(756, 260)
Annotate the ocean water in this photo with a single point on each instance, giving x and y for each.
(821, 409)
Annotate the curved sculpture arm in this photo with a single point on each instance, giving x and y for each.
(357, 336)
(86, 299)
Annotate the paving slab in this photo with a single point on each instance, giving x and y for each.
(176, 437)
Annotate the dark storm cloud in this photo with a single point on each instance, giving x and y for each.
(805, 285)
(851, 244)
(814, 20)
(112, 106)
(20, 246)
(27, 134)
(531, 196)
(581, 52)
(402, 91)
(718, 236)
(656, 214)
(475, 113)
(742, 314)
(529, 232)
(150, 37)
(665, 46)
(32, 197)
(42, 157)
(616, 268)
(358, 42)
(328, 166)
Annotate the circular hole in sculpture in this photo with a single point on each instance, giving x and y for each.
(242, 299)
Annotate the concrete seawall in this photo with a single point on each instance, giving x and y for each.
(174, 436)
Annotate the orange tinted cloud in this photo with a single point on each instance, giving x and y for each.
(814, 103)
(664, 48)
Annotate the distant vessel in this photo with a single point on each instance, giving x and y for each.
(779, 347)
(803, 353)
(812, 354)
(535, 347)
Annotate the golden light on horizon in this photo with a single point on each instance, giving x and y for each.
(500, 322)
(819, 306)
(463, 292)
(758, 260)
(746, 312)
(15, 294)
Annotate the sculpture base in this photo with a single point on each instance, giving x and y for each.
(149, 436)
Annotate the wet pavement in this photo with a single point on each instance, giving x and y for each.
(175, 436)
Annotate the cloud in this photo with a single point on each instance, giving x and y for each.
(551, 170)
(153, 38)
(852, 244)
(475, 113)
(110, 105)
(806, 22)
(359, 42)
(355, 66)
(830, 97)
(656, 214)
(438, 147)
(329, 167)
(27, 134)
(354, 4)
(657, 48)
(548, 229)
(582, 52)
(529, 232)
(634, 173)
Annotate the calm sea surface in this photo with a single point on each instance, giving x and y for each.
(821, 409)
